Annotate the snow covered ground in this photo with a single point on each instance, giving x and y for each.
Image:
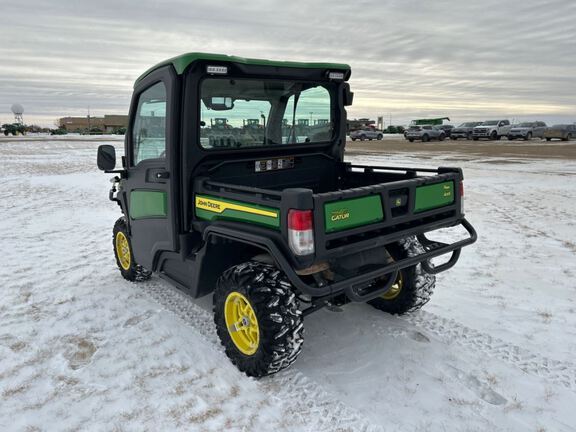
(82, 349)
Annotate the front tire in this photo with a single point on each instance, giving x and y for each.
(425, 138)
(258, 318)
(413, 287)
(128, 267)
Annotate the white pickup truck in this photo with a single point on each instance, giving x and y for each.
(491, 129)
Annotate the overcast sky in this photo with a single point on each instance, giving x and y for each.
(411, 58)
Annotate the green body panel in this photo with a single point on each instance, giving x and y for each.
(433, 196)
(346, 214)
(148, 203)
(181, 62)
(230, 210)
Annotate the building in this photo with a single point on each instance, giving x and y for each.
(107, 124)
(359, 124)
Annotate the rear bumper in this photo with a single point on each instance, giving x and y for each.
(357, 288)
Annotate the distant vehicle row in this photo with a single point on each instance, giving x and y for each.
(491, 130)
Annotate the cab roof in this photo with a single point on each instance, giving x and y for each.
(181, 62)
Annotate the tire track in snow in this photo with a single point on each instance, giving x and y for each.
(301, 398)
(452, 332)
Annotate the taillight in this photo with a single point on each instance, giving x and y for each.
(462, 197)
(301, 231)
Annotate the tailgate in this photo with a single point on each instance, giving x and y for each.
(395, 209)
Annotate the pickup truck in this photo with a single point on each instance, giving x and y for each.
(491, 129)
(425, 133)
(274, 225)
(366, 134)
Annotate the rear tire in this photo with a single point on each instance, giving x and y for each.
(528, 136)
(129, 269)
(379, 137)
(475, 138)
(362, 137)
(494, 136)
(410, 139)
(442, 137)
(425, 138)
(548, 139)
(277, 317)
(416, 285)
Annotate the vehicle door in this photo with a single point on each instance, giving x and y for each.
(148, 185)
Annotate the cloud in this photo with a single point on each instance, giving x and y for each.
(409, 58)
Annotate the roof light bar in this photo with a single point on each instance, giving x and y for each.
(336, 75)
(217, 70)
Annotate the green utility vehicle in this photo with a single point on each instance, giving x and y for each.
(274, 224)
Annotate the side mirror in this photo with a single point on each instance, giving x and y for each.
(106, 157)
(348, 95)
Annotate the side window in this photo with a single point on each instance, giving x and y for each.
(149, 131)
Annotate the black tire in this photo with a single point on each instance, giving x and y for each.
(475, 138)
(469, 136)
(410, 139)
(417, 285)
(133, 272)
(528, 136)
(353, 139)
(277, 312)
(568, 137)
(362, 137)
(442, 137)
(453, 138)
(510, 138)
(494, 136)
(379, 137)
(425, 138)
(548, 139)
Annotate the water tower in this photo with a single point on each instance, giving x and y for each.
(18, 110)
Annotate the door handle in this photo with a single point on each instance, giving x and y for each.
(157, 175)
(162, 175)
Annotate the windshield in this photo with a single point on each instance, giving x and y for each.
(243, 113)
(467, 125)
(490, 123)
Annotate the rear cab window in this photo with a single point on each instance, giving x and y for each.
(243, 113)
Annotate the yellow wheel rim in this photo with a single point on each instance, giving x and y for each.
(395, 289)
(123, 250)
(241, 323)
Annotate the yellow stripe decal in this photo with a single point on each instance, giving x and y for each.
(217, 206)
